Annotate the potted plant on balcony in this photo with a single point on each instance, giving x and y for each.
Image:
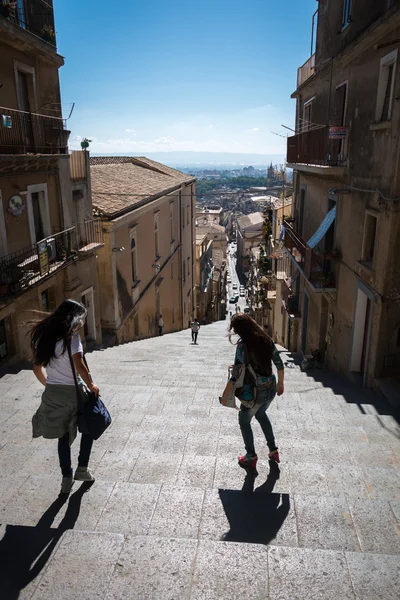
(47, 34)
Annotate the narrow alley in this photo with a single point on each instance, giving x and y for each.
(172, 516)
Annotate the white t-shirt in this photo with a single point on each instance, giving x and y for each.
(59, 370)
(160, 323)
(195, 326)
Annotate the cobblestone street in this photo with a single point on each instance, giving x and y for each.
(171, 515)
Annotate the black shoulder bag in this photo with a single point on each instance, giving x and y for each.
(93, 416)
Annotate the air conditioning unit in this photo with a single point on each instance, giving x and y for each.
(51, 248)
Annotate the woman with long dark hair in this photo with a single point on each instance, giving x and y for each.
(56, 416)
(256, 348)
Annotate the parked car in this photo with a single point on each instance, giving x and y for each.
(234, 286)
(229, 280)
(241, 293)
(246, 310)
(233, 299)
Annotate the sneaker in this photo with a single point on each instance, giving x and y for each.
(274, 456)
(66, 484)
(248, 462)
(83, 474)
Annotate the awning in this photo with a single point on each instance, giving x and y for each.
(323, 228)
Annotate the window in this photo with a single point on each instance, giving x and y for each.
(188, 214)
(173, 315)
(346, 14)
(184, 271)
(134, 257)
(369, 239)
(384, 100)
(188, 266)
(156, 238)
(307, 115)
(47, 300)
(171, 219)
(183, 216)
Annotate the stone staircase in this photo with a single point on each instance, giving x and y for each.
(172, 516)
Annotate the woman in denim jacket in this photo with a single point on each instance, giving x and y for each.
(261, 352)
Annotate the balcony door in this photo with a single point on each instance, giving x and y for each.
(339, 120)
(38, 213)
(25, 119)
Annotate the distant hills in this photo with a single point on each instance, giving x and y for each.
(210, 159)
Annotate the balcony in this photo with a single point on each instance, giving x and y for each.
(29, 133)
(306, 71)
(21, 270)
(313, 148)
(89, 235)
(35, 16)
(316, 269)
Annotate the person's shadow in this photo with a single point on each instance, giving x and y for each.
(255, 515)
(24, 551)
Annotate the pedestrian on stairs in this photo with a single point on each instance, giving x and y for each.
(260, 350)
(56, 416)
(195, 327)
(160, 325)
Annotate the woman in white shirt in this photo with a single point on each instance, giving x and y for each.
(56, 416)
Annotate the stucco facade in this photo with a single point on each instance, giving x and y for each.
(146, 268)
(348, 291)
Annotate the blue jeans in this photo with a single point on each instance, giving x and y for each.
(245, 417)
(64, 453)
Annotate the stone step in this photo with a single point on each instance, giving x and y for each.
(87, 565)
(322, 511)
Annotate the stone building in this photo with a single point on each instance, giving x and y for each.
(219, 276)
(215, 233)
(147, 267)
(204, 277)
(345, 156)
(48, 243)
(248, 235)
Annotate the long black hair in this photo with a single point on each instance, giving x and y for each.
(60, 325)
(259, 344)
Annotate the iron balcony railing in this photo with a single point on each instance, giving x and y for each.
(90, 235)
(306, 71)
(35, 16)
(21, 270)
(314, 147)
(316, 269)
(30, 133)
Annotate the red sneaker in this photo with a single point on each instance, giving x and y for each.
(274, 456)
(248, 462)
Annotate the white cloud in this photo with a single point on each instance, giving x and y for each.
(196, 132)
(165, 140)
(132, 131)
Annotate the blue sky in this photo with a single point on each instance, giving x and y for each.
(164, 75)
